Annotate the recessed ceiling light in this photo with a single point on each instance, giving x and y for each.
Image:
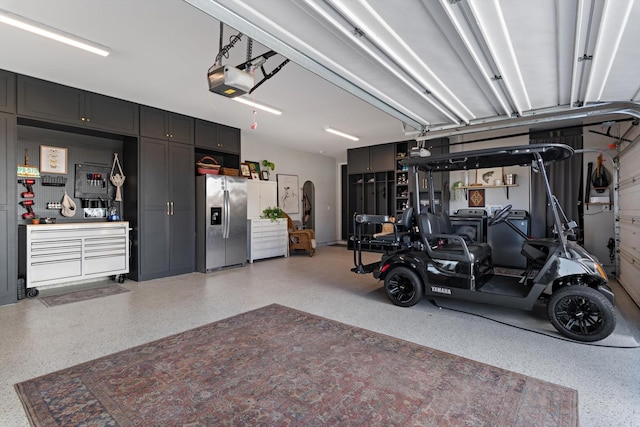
(257, 105)
(342, 134)
(51, 33)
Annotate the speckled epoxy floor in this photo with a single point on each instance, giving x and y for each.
(35, 340)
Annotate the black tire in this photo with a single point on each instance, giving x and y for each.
(581, 313)
(32, 292)
(403, 286)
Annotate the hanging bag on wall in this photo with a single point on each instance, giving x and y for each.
(600, 178)
(68, 206)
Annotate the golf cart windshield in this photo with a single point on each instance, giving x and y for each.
(535, 155)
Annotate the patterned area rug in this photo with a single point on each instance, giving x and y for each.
(277, 366)
(82, 295)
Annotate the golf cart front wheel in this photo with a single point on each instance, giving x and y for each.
(403, 286)
(581, 313)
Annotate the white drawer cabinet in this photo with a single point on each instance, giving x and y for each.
(51, 254)
(267, 238)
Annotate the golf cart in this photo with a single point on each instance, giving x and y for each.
(424, 257)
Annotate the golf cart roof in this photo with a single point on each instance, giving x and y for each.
(521, 155)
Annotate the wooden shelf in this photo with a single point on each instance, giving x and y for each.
(479, 187)
(490, 186)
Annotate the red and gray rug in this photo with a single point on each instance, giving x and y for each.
(277, 366)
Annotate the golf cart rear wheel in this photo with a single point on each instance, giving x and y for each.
(581, 313)
(403, 286)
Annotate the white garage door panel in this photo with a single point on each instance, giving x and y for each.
(630, 200)
(629, 223)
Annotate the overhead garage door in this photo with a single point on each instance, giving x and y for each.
(629, 223)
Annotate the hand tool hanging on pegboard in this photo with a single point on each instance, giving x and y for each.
(28, 183)
(27, 204)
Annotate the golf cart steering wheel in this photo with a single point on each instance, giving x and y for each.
(500, 215)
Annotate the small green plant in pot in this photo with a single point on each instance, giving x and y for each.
(268, 164)
(273, 213)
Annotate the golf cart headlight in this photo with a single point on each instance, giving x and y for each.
(593, 267)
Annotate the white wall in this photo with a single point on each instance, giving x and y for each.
(518, 196)
(317, 168)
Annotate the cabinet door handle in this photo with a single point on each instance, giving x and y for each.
(168, 209)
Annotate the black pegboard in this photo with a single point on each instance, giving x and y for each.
(81, 149)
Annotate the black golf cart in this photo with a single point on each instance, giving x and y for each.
(424, 257)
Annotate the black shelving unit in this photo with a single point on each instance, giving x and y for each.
(402, 179)
(371, 193)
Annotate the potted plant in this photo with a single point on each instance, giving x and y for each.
(35, 220)
(266, 165)
(273, 214)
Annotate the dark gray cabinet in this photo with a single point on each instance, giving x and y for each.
(62, 104)
(376, 158)
(166, 125)
(8, 223)
(166, 230)
(228, 139)
(110, 114)
(216, 137)
(7, 92)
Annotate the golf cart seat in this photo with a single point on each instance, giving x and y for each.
(443, 244)
(399, 230)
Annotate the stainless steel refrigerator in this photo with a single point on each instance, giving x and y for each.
(221, 222)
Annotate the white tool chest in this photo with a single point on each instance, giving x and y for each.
(51, 254)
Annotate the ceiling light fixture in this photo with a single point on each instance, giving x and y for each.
(51, 33)
(257, 105)
(342, 134)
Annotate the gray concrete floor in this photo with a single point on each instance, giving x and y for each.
(35, 340)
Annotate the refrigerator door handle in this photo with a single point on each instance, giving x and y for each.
(227, 211)
(168, 209)
(172, 209)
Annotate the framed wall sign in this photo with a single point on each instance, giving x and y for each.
(476, 198)
(288, 193)
(254, 169)
(245, 170)
(488, 176)
(53, 160)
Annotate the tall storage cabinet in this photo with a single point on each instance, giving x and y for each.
(265, 238)
(7, 92)
(8, 229)
(166, 230)
(260, 195)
